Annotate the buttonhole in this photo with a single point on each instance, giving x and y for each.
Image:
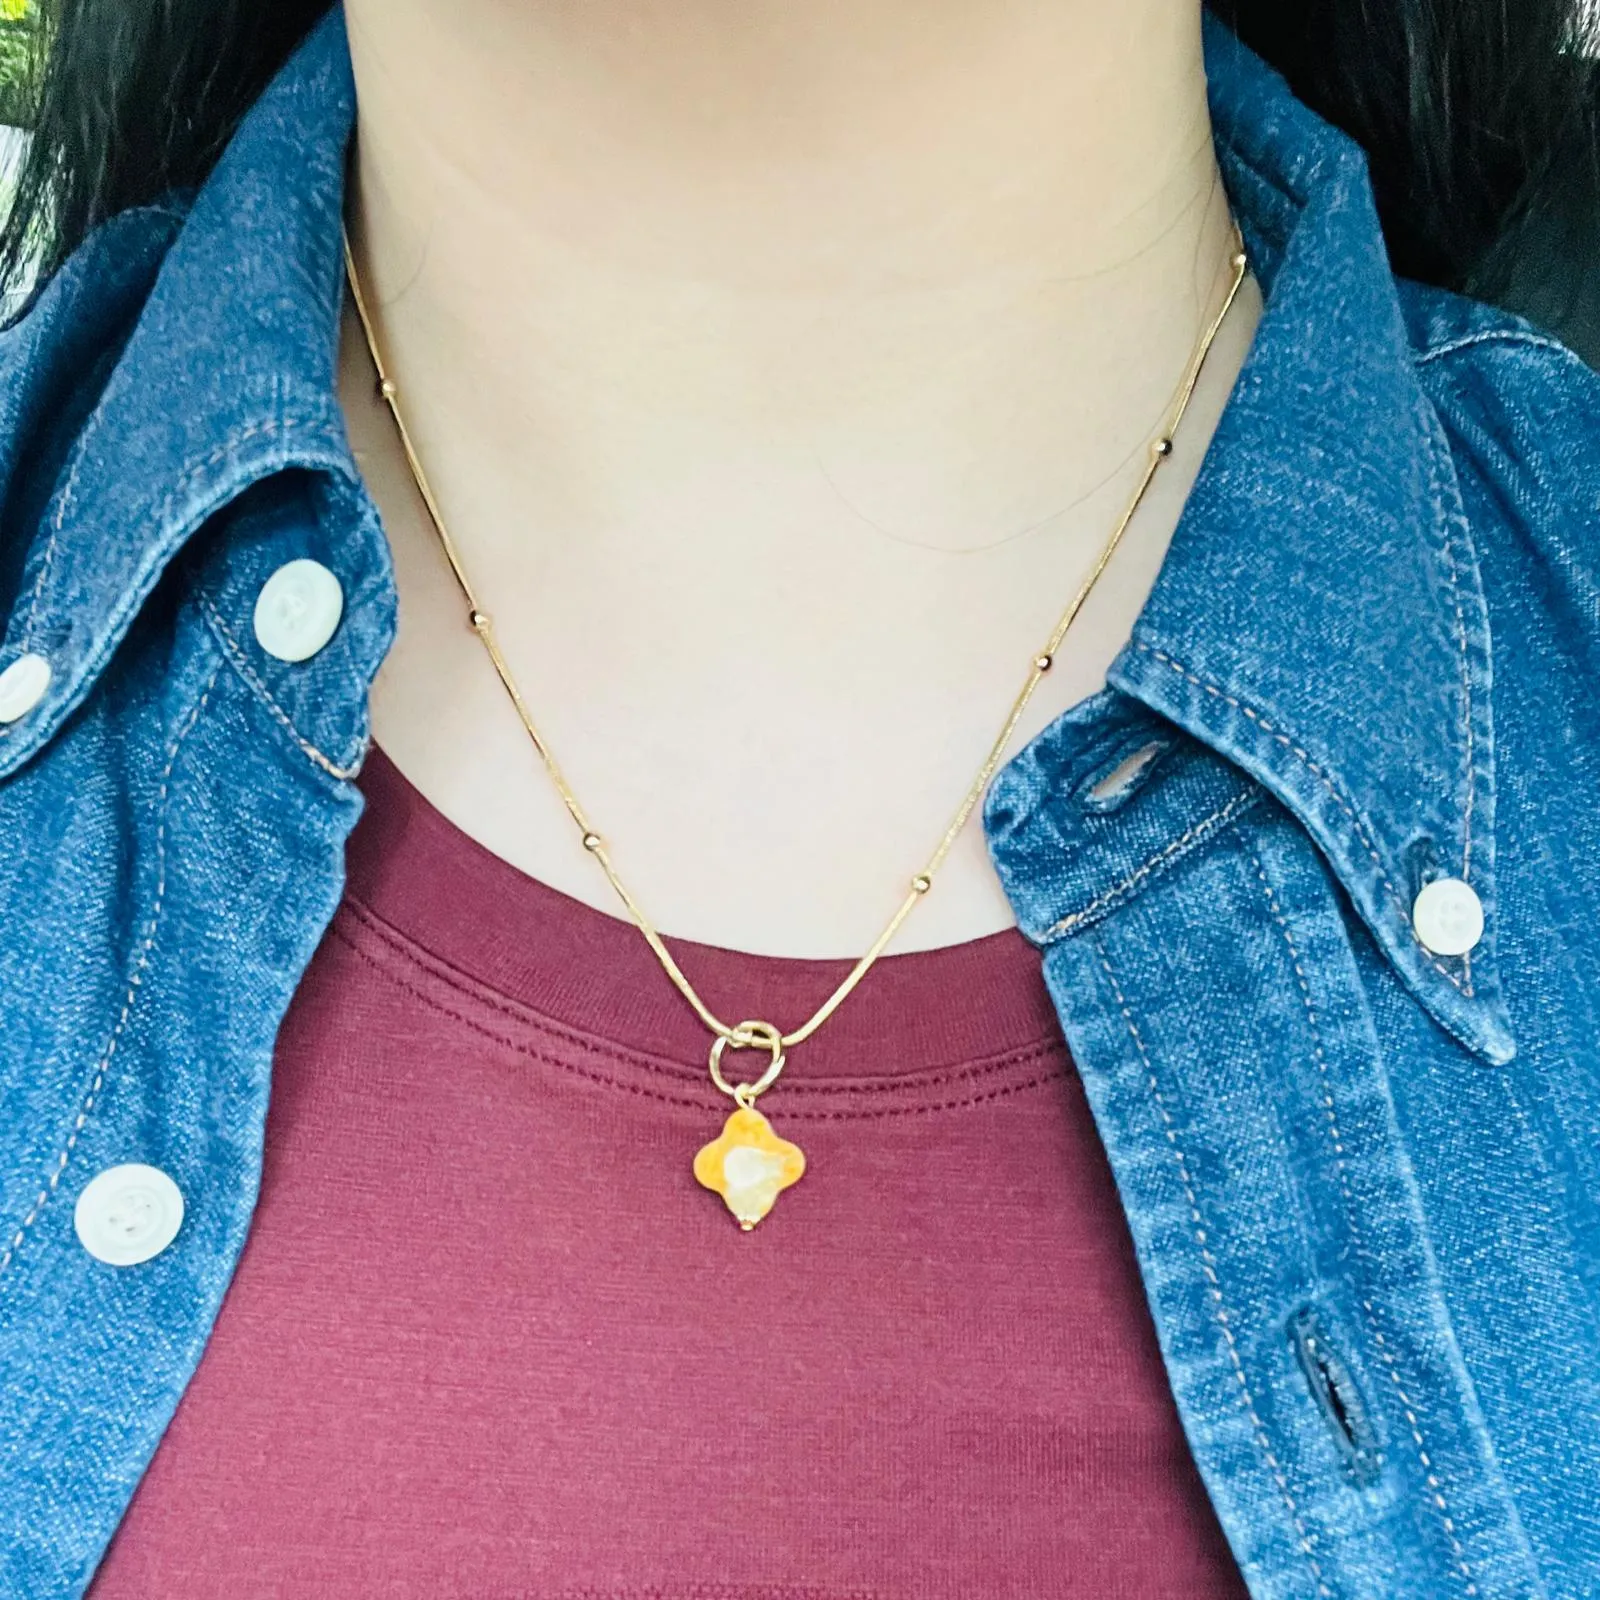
(1110, 788)
(1419, 862)
(1338, 1398)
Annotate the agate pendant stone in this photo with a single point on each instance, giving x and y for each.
(748, 1165)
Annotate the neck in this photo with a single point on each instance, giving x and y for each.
(722, 331)
(871, 232)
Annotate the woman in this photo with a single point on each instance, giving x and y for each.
(1201, 1197)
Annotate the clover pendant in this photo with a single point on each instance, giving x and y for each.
(748, 1165)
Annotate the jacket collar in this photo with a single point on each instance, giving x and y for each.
(221, 309)
(1317, 619)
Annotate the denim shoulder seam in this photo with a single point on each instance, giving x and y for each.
(1503, 335)
(135, 979)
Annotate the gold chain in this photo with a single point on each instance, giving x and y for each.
(754, 1033)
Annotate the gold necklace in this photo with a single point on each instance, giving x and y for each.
(748, 1164)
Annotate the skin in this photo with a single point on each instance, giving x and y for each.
(781, 371)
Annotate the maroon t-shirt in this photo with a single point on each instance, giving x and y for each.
(490, 1338)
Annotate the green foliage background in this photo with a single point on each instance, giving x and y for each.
(16, 35)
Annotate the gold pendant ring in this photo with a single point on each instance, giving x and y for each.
(746, 1037)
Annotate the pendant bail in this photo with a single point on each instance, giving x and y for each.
(747, 1036)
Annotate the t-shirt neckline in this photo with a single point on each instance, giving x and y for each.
(418, 872)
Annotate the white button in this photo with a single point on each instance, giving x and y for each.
(128, 1214)
(1448, 917)
(298, 610)
(22, 686)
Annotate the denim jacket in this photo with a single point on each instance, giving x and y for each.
(1362, 1172)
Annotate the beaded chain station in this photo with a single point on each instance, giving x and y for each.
(749, 1164)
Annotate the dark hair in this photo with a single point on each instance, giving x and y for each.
(1480, 118)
